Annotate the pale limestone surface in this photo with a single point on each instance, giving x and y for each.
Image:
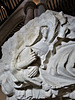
(39, 60)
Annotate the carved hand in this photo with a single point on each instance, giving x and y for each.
(33, 71)
(30, 57)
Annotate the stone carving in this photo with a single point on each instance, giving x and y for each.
(39, 60)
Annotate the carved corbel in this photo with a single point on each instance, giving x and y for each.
(35, 70)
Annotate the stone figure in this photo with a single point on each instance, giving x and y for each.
(39, 60)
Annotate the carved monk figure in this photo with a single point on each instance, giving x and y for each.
(26, 62)
(41, 58)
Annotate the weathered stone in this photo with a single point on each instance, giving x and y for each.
(39, 60)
